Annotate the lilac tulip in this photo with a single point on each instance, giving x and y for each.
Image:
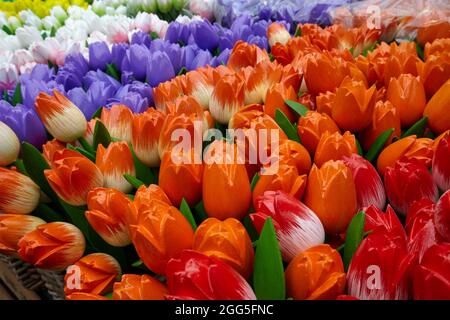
(99, 55)
(94, 76)
(159, 69)
(202, 59)
(259, 41)
(205, 35)
(31, 88)
(118, 53)
(177, 32)
(135, 61)
(176, 57)
(222, 58)
(141, 38)
(81, 99)
(143, 89)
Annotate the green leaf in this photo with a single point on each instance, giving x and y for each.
(137, 263)
(182, 71)
(299, 108)
(53, 32)
(47, 214)
(286, 125)
(83, 152)
(352, 51)
(133, 181)
(187, 213)
(417, 129)
(420, 52)
(21, 167)
(98, 113)
(5, 95)
(108, 295)
(250, 227)
(298, 32)
(35, 164)
(268, 276)
(354, 236)
(7, 29)
(86, 146)
(154, 35)
(358, 146)
(378, 145)
(200, 212)
(17, 96)
(143, 172)
(254, 181)
(101, 135)
(111, 70)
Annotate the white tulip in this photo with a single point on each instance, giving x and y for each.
(59, 13)
(8, 76)
(9, 145)
(27, 35)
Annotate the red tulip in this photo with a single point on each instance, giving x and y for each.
(298, 228)
(432, 276)
(407, 182)
(442, 216)
(378, 221)
(369, 187)
(195, 276)
(381, 268)
(441, 163)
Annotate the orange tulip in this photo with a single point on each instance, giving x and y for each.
(12, 228)
(226, 240)
(409, 148)
(85, 296)
(227, 98)
(399, 63)
(316, 274)
(434, 73)
(53, 246)
(277, 33)
(433, 30)
(259, 79)
(244, 55)
(49, 149)
(72, 176)
(291, 77)
(312, 126)
(160, 234)
(352, 108)
(60, 116)
(94, 274)
(135, 287)
(180, 176)
(334, 146)
(115, 161)
(200, 84)
(226, 186)
(331, 194)
(147, 127)
(286, 178)
(385, 117)
(89, 134)
(438, 47)
(281, 54)
(293, 153)
(145, 196)
(324, 102)
(323, 73)
(407, 95)
(18, 193)
(437, 109)
(166, 92)
(277, 94)
(108, 212)
(119, 122)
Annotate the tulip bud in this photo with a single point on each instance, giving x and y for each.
(259, 79)
(10, 147)
(8, 76)
(441, 165)
(226, 240)
(408, 96)
(195, 276)
(277, 94)
(385, 117)
(334, 146)
(432, 276)
(377, 221)
(139, 287)
(352, 108)
(312, 126)
(436, 109)
(295, 154)
(50, 148)
(200, 85)
(94, 273)
(227, 98)
(277, 33)
(53, 246)
(409, 148)
(324, 102)
(180, 176)
(442, 216)
(244, 55)
(119, 122)
(407, 182)
(145, 196)
(18, 194)
(108, 213)
(434, 75)
(12, 228)
(160, 234)
(60, 116)
(72, 176)
(369, 187)
(146, 130)
(166, 92)
(226, 186)
(331, 194)
(380, 269)
(115, 161)
(298, 228)
(316, 274)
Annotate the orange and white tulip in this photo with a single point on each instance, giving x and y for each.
(119, 122)
(10, 146)
(277, 33)
(18, 194)
(227, 98)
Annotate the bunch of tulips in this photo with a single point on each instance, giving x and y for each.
(358, 206)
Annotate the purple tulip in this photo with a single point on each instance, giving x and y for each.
(71, 74)
(118, 53)
(143, 89)
(99, 55)
(176, 57)
(141, 38)
(94, 76)
(40, 72)
(222, 58)
(260, 28)
(259, 41)
(31, 88)
(135, 102)
(265, 13)
(159, 69)
(81, 99)
(177, 32)
(202, 59)
(24, 122)
(135, 61)
(158, 45)
(205, 35)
